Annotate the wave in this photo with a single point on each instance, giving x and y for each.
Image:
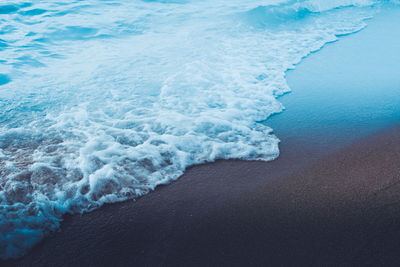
(101, 102)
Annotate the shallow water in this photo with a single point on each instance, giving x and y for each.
(347, 91)
(101, 101)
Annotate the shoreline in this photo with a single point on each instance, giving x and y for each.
(234, 212)
(341, 209)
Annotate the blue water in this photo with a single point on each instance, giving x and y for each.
(101, 101)
(347, 90)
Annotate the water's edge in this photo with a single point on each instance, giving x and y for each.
(107, 159)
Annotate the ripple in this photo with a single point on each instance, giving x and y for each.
(33, 12)
(73, 33)
(4, 79)
(8, 9)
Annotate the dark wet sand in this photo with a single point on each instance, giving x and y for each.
(338, 209)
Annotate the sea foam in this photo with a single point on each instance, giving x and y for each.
(101, 101)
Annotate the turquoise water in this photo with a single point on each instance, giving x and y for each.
(346, 91)
(101, 101)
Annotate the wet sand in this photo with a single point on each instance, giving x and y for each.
(341, 209)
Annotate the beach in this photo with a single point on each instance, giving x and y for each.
(332, 198)
(341, 210)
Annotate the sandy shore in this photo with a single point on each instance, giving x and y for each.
(343, 208)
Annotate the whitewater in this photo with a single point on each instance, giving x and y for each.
(101, 101)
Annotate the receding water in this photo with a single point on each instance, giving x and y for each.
(345, 91)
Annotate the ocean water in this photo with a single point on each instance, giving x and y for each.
(353, 96)
(101, 101)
